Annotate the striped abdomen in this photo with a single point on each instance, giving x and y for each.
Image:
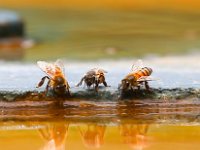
(143, 72)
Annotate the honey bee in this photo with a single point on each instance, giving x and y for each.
(138, 76)
(95, 77)
(57, 85)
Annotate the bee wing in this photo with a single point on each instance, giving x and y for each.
(94, 69)
(137, 66)
(102, 70)
(59, 63)
(146, 78)
(99, 70)
(50, 69)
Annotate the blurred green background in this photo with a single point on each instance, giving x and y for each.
(107, 32)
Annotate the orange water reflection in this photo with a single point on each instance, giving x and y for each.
(93, 135)
(62, 135)
(54, 135)
(135, 135)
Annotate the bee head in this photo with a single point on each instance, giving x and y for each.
(99, 76)
(60, 86)
(125, 84)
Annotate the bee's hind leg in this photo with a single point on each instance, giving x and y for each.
(69, 93)
(67, 89)
(147, 86)
(42, 81)
(80, 83)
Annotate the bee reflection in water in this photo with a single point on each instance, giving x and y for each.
(54, 135)
(93, 135)
(135, 135)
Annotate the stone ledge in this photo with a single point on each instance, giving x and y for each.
(107, 95)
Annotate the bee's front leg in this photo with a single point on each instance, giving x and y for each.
(42, 81)
(105, 84)
(132, 89)
(138, 85)
(47, 87)
(96, 86)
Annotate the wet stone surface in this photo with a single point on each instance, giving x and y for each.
(90, 95)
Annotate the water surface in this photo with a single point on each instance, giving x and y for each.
(88, 125)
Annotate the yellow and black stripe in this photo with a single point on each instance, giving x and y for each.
(146, 71)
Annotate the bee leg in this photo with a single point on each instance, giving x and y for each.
(42, 81)
(80, 83)
(68, 87)
(68, 92)
(47, 88)
(132, 89)
(138, 87)
(105, 84)
(147, 85)
(96, 86)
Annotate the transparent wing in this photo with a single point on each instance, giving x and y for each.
(102, 70)
(137, 66)
(99, 70)
(94, 69)
(59, 63)
(146, 78)
(50, 69)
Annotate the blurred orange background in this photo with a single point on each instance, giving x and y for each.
(186, 5)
